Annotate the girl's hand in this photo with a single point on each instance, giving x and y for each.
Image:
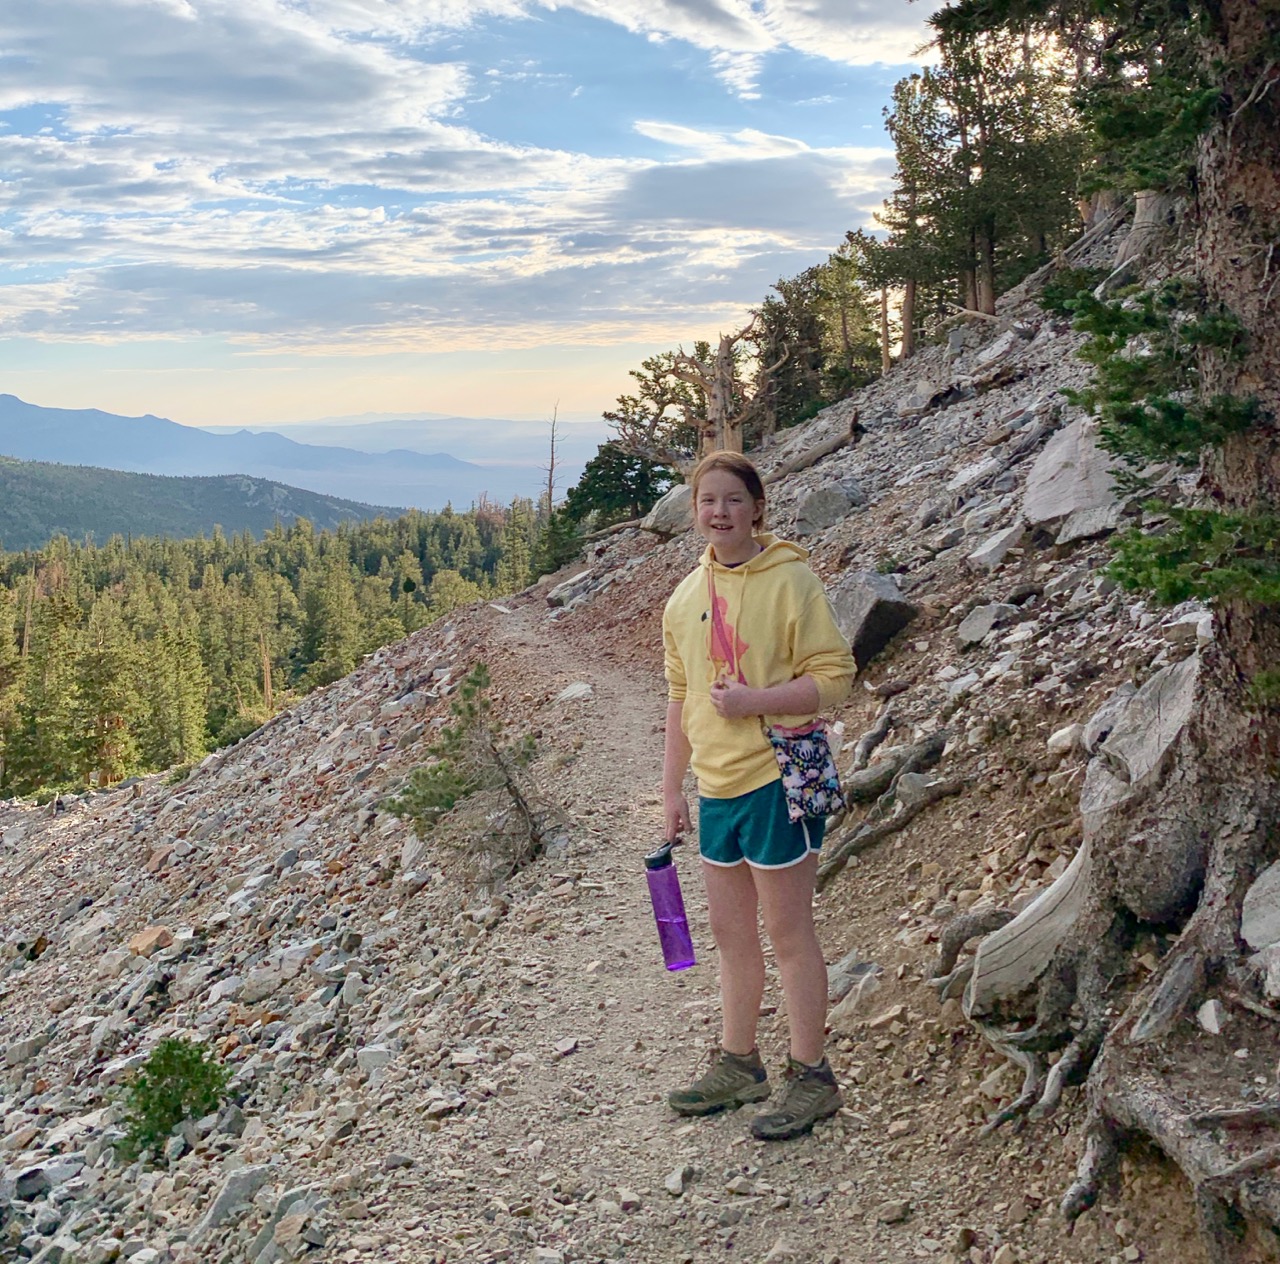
(676, 817)
(733, 700)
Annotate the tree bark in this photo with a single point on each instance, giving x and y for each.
(986, 272)
(908, 319)
(1184, 849)
(886, 360)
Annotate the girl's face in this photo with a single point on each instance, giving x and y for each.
(726, 516)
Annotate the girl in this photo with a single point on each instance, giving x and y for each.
(750, 639)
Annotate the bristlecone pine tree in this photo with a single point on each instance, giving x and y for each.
(1184, 858)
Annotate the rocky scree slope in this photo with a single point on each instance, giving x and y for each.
(427, 1071)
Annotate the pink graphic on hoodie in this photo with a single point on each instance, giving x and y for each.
(727, 647)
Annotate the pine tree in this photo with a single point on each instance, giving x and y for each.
(106, 702)
(10, 678)
(449, 590)
(43, 751)
(333, 622)
(516, 560)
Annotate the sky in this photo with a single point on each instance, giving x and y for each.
(253, 211)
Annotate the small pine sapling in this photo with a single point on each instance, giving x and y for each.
(180, 1080)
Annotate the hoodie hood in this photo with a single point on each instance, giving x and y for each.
(775, 552)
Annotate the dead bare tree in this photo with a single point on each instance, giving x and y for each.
(550, 467)
(728, 405)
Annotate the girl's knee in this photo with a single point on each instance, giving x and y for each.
(735, 935)
(794, 940)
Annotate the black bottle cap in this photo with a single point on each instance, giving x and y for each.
(659, 859)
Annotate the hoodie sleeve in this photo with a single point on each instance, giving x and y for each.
(672, 663)
(821, 652)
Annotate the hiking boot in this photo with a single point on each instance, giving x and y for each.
(811, 1094)
(733, 1080)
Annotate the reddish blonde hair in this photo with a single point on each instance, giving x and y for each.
(736, 464)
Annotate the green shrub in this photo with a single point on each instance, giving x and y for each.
(1068, 284)
(180, 1080)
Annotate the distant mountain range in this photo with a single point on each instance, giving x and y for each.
(488, 441)
(39, 500)
(154, 445)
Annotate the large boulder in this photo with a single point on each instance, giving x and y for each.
(821, 507)
(871, 611)
(673, 514)
(984, 619)
(1071, 479)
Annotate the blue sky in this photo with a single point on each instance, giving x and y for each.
(254, 211)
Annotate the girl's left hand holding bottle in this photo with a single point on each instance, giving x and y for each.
(675, 813)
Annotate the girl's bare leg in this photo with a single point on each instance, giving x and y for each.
(731, 902)
(786, 898)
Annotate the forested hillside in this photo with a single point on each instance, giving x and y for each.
(137, 655)
(39, 500)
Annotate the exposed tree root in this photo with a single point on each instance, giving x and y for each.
(1032, 1065)
(1099, 1158)
(1238, 1116)
(869, 833)
(872, 738)
(1138, 1101)
(958, 932)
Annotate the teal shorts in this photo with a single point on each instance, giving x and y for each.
(754, 828)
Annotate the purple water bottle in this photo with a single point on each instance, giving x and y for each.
(668, 909)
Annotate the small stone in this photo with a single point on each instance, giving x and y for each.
(892, 1015)
(988, 555)
(894, 1211)
(24, 1050)
(678, 1180)
(1005, 1254)
(233, 1198)
(912, 788)
(629, 1200)
(579, 691)
(1211, 1016)
(567, 1046)
(374, 1057)
(1066, 739)
(145, 942)
(983, 619)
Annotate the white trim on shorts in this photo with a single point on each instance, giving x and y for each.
(809, 850)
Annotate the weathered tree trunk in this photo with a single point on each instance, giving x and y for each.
(908, 319)
(1152, 222)
(724, 423)
(986, 272)
(886, 360)
(969, 288)
(1178, 839)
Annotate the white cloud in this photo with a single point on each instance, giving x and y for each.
(298, 176)
(855, 32)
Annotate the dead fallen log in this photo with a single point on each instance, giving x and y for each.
(815, 454)
(613, 530)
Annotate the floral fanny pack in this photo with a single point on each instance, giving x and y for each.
(810, 779)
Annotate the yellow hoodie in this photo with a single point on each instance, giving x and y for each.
(771, 623)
